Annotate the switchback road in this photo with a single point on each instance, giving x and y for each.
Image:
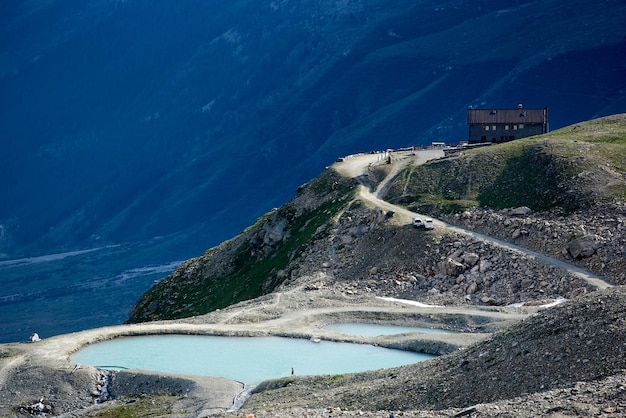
(357, 165)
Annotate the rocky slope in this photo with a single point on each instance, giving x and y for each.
(357, 249)
(568, 360)
(593, 238)
(560, 194)
(253, 263)
(564, 360)
(325, 228)
(331, 251)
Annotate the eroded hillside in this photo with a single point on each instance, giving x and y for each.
(568, 360)
(561, 194)
(326, 236)
(254, 262)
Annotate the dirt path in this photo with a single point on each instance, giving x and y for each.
(357, 165)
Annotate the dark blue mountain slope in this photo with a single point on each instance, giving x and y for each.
(121, 121)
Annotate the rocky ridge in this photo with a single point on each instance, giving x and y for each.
(568, 360)
(365, 251)
(593, 238)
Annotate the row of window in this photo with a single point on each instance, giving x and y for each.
(506, 127)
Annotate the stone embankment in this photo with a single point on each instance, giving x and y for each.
(593, 238)
(365, 251)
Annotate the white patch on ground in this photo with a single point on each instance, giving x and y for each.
(410, 302)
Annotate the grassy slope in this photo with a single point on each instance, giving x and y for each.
(246, 267)
(559, 171)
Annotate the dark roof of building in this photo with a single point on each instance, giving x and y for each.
(507, 115)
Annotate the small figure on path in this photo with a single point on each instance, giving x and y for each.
(292, 371)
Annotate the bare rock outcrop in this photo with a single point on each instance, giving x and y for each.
(583, 247)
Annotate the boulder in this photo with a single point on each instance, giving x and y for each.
(451, 267)
(470, 259)
(583, 247)
(521, 211)
(484, 265)
(472, 288)
(488, 300)
(275, 233)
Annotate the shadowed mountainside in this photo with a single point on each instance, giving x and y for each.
(157, 130)
(127, 120)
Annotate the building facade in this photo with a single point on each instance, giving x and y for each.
(503, 125)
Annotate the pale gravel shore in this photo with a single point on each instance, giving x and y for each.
(48, 361)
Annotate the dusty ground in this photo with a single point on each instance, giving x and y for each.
(30, 371)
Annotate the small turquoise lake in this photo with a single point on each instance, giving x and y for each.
(245, 359)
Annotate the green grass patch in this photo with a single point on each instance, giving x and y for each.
(154, 406)
(559, 171)
(248, 276)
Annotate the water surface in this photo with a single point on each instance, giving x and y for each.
(246, 359)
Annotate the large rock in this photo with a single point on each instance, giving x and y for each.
(584, 246)
(470, 259)
(276, 232)
(521, 211)
(472, 288)
(451, 267)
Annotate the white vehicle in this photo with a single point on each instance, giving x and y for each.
(428, 224)
(417, 222)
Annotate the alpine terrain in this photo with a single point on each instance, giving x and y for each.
(135, 134)
(525, 260)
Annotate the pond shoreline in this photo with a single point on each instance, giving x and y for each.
(274, 315)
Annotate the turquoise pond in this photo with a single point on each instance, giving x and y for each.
(374, 330)
(246, 359)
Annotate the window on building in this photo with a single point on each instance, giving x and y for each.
(486, 127)
(506, 127)
(521, 126)
(493, 127)
(515, 127)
